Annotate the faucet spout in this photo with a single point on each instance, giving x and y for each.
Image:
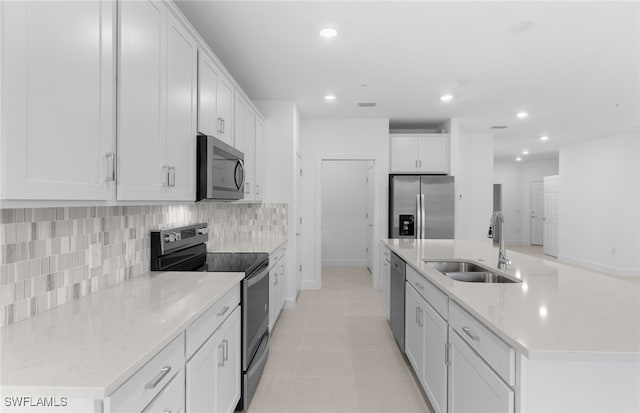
(498, 217)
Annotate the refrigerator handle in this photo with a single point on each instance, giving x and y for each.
(423, 212)
(418, 217)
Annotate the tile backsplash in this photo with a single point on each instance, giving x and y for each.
(49, 256)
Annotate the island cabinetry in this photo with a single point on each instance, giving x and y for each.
(420, 153)
(151, 381)
(385, 265)
(427, 336)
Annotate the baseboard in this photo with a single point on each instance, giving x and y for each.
(290, 303)
(621, 272)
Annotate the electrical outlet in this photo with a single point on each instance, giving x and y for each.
(95, 255)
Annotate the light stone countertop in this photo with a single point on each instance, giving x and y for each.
(268, 245)
(87, 348)
(557, 312)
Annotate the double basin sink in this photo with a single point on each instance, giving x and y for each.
(469, 271)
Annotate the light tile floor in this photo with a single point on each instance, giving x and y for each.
(335, 353)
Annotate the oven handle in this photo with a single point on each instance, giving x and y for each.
(258, 275)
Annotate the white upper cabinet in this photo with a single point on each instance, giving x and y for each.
(224, 96)
(245, 131)
(215, 100)
(420, 153)
(57, 100)
(259, 159)
(156, 105)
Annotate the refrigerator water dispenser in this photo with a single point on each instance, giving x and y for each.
(407, 225)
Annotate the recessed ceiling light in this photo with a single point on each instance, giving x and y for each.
(522, 27)
(330, 97)
(446, 97)
(544, 138)
(518, 159)
(525, 152)
(522, 115)
(328, 33)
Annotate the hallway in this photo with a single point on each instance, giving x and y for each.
(335, 353)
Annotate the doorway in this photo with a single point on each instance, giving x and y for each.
(537, 209)
(347, 213)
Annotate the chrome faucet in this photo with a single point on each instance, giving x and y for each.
(503, 261)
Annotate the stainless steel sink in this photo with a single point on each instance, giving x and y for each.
(467, 271)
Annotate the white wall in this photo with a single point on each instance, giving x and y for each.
(340, 139)
(600, 203)
(344, 207)
(516, 181)
(472, 166)
(281, 134)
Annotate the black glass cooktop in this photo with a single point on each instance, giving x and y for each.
(245, 262)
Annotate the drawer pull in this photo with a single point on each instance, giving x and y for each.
(224, 311)
(420, 286)
(221, 347)
(225, 350)
(161, 375)
(468, 332)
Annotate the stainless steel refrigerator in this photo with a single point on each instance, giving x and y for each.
(421, 206)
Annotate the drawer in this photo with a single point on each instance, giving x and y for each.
(498, 354)
(201, 329)
(147, 382)
(171, 399)
(429, 292)
(276, 256)
(386, 252)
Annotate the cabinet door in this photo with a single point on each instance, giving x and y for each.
(259, 138)
(142, 149)
(386, 278)
(433, 154)
(434, 375)
(273, 296)
(403, 154)
(225, 96)
(229, 375)
(181, 112)
(473, 386)
(171, 398)
(414, 335)
(207, 95)
(282, 282)
(213, 373)
(58, 100)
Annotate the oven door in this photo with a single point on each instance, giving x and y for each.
(255, 314)
(221, 174)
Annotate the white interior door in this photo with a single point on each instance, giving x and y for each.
(537, 209)
(369, 216)
(550, 219)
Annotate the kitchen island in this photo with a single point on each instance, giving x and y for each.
(575, 334)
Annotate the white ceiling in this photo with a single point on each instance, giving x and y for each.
(576, 71)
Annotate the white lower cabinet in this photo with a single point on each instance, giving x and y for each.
(385, 265)
(414, 332)
(473, 386)
(277, 284)
(171, 398)
(213, 373)
(434, 374)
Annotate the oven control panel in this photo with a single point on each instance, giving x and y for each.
(166, 240)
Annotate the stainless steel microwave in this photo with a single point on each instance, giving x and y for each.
(220, 171)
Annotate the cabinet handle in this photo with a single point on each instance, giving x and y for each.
(416, 164)
(221, 363)
(161, 375)
(247, 187)
(165, 175)
(468, 332)
(420, 286)
(172, 176)
(257, 189)
(222, 126)
(219, 125)
(224, 311)
(420, 163)
(111, 167)
(417, 317)
(420, 323)
(225, 350)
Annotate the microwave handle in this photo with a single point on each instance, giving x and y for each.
(240, 165)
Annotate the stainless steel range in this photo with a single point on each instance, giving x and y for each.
(184, 249)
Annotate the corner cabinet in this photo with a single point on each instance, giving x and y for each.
(420, 153)
(215, 100)
(157, 100)
(57, 100)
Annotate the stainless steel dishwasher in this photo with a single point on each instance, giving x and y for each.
(397, 299)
